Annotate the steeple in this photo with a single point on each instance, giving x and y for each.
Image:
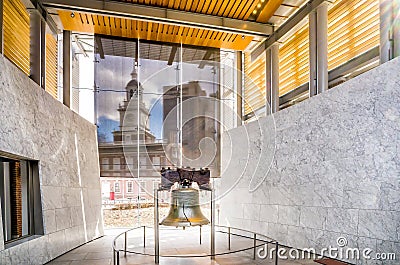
(132, 86)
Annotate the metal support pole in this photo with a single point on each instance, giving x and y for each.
(212, 244)
(125, 243)
(156, 229)
(200, 235)
(117, 257)
(37, 40)
(43, 53)
(313, 53)
(385, 13)
(229, 238)
(1, 26)
(268, 81)
(254, 245)
(67, 58)
(274, 78)
(322, 47)
(389, 29)
(144, 236)
(239, 87)
(396, 28)
(276, 252)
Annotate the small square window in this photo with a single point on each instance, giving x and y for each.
(130, 186)
(117, 188)
(20, 199)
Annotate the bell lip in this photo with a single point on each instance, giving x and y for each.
(185, 189)
(184, 223)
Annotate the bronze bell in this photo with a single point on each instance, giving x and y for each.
(185, 209)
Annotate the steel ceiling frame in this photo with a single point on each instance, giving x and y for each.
(163, 15)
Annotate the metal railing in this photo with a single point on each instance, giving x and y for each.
(257, 238)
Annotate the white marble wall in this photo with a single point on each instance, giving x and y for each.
(332, 166)
(36, 126)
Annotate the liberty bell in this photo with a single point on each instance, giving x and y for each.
(184, 206)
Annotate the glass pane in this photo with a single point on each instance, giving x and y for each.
(200, 108)
(159, 74)
(116, 80)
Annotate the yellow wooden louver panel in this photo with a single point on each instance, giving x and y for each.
(254, 83)
(16, 34)
(353, 28)
(128, 28)
(51, 65)
(294, 61)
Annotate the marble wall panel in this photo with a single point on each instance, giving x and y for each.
(335, 169)
(36, 126)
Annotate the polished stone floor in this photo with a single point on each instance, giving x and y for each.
(173, 241)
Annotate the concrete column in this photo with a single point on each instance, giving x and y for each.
(312, 21)
(322, 48)
(1, 26)
(396, 28)
(37, 48)
(318, 49)
(43, 53)
(239, 87)
(268, 71)
(67, 59)
(385, 15)
(274, 49)
(389, 29)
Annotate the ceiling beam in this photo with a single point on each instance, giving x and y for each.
(286, 27)
(206, 57)
(97, 39)
(163, 15)
(268, 11)
(172, 55)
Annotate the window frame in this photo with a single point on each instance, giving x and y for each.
(115, 187)
(29, 173)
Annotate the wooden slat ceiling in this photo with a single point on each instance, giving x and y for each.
(222, 8)
(106, 25)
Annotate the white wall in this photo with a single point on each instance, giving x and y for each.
(331, 167)
(36, 126)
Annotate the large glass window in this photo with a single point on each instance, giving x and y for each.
(20, 199)
(157, 105)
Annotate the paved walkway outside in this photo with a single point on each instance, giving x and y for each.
(173, 241)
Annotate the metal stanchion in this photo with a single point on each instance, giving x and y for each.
(212, 225)
(117, 257)
(144, 236)
(200, 234)
(254, 245)
(229, 238)
(156, 229)
(276, 252)
(125, 243)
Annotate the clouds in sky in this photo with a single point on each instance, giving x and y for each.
(113, 73)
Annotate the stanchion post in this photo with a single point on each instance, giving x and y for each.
(254, 245)
(117, 257)
(276, 252)
(229, 238)
(125, 243)
(212, 225)
(200, 235)
(144, 236)
(156, 229)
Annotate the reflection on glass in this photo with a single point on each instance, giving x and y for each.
(157, 106)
